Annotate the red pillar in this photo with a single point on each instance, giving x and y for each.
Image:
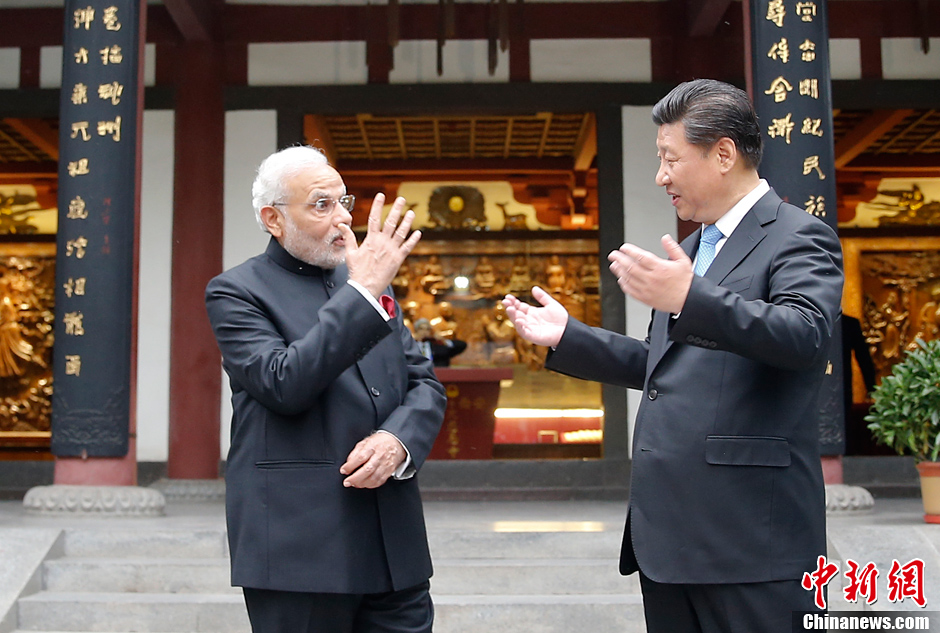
(195, 364)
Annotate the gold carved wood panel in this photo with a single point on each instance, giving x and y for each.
(893, 288)
(458, 286)
(27, 279)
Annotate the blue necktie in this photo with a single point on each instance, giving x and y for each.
(706, 249)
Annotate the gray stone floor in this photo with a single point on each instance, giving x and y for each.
(462, 530)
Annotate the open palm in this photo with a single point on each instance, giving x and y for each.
(540, 325)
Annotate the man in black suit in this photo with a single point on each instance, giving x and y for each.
(727, 502)
(334, 411)
(440, 350)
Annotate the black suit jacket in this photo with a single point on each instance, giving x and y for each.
(314, 369)
(726, 481)
(441, 353)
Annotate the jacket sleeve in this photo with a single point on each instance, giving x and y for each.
(417, 420)
(792, 327)
(289, 378)
(597, 354)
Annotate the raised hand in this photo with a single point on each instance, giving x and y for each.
(376, 261)
(540, 325)
(662, 284)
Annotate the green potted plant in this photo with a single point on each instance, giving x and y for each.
(905, 415)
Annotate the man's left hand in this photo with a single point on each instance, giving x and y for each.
(373, 461)
(662, 284)
(376, 261)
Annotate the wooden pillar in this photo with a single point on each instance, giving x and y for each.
(195, 365)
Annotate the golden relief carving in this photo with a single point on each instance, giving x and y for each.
(27, 280)
(460, 294)
(897, 202)
(900, 302)
(456, 207)
(16, 221)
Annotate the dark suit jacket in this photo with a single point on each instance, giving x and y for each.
(727, 485)
(441, 353)
(314, 369)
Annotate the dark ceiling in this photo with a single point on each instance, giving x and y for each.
(864, 139)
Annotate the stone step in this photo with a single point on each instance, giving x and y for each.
(114, 543)
(138, 575)
(526, 545)
(478, 576)
(142, 612)
(538, 614)
(443, 543)
(162, 613)
(536, 577)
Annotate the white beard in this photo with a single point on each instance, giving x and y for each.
(318, 253)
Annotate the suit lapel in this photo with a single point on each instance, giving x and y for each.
(659, 330)
(746, 236)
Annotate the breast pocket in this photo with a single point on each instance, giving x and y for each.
(738, 285)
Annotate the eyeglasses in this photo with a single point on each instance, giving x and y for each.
(324, 206)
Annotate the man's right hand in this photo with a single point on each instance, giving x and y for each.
(542, 326)
(376, 261)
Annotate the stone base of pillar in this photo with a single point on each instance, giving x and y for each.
(843, 499)
(205, 490)
(104, 501)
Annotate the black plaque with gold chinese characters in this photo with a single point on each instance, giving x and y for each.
(95, 259)
(792, 95)
(791, 89)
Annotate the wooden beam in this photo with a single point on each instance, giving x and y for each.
(456, 166)
(705, 16)
(195, 19)
(19, 147)
(21, 170)
(381, 181)
(317, 133)
(895, 163)
(31, 27)
(361, 121)
(39, 133)
(586, 147)
(546, 127)
(865, 133)
(251, 23)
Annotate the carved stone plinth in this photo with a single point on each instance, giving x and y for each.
(191, 489)
(842, 499)
(116, 501)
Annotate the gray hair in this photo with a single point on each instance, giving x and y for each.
(711, 110)
(276, 171)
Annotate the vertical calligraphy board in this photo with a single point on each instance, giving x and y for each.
(792, 93)
(95, 247)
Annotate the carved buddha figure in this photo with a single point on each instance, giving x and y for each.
(520, 279)
(484, 277)
(443, 324)
(433, 281)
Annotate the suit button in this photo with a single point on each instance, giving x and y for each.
(712, 344)
(689, 339)
(375, 392)
(653, 394)
(329, 284)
